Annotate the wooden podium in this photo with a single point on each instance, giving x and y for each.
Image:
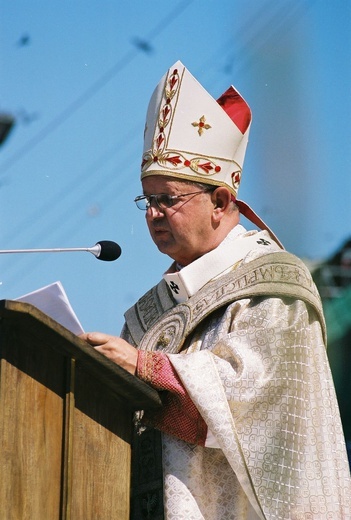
(65, 422)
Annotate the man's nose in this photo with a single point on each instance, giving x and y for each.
(154, 210)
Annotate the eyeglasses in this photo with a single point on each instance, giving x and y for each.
(163, 200)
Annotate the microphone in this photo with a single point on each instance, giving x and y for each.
(103, 250)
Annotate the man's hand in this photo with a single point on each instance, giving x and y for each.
(116, 349)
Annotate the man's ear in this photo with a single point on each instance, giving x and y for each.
(221, 199)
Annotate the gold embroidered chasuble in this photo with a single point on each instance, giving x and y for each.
(255, 366)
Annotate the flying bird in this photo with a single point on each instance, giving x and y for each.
(23, 40)
(143, 45)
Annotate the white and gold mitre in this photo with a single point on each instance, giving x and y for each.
(191, 136)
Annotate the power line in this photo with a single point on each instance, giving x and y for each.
(73, 107)
(255, 37)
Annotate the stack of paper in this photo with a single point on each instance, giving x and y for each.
(53, 301)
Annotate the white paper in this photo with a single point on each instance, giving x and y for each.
(53, 301)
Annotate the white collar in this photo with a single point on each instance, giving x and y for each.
(234, 247)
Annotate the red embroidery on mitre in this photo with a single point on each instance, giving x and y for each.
(236, 108)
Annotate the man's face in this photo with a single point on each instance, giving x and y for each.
(184, 231)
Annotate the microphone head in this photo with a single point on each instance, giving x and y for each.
(109, 250)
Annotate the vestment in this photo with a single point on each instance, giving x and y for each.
(256, 370)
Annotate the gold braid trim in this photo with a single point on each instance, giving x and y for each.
(279, 274)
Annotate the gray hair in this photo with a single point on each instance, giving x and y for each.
(207, 187)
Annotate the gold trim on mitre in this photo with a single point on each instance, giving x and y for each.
(191, 136)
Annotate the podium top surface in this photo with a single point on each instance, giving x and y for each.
(32, 323)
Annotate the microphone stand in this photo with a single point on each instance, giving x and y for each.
(103, 250)
(95, 250)
(54, 250)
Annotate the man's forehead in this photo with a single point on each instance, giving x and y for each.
(161, 182)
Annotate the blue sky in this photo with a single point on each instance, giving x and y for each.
(78, 75)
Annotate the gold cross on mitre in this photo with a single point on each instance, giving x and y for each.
(202, 125)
